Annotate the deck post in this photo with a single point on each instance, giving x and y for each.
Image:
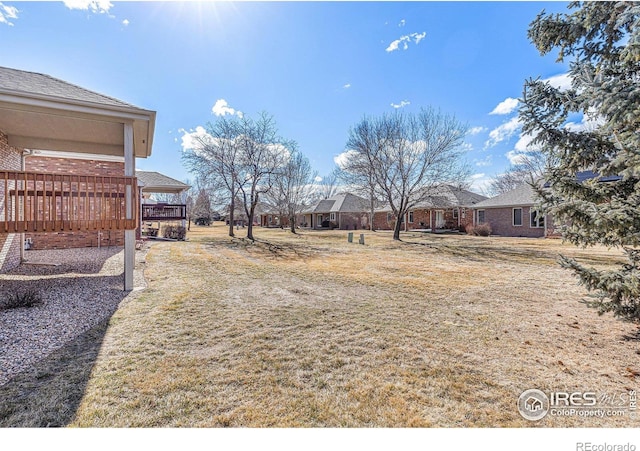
(129, 235)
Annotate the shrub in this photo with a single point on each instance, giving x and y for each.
(482, 229)
(21, 299)
(174, 232)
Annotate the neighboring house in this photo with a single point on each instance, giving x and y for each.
(513, 214)
(445, 207)
(343, 211)
(68, 186)
(270, 217)
(152, 210)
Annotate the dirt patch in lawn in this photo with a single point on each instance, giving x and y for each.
(309, 330)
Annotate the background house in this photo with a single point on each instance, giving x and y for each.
(513, 214)
(171, 209)
(444, 207)
(343, 211)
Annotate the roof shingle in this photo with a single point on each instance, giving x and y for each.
(41, 84)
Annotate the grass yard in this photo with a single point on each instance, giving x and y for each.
(311, 331)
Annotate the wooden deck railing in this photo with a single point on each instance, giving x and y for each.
(164, 212)
(45, 202)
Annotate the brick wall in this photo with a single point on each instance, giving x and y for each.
(426, 219)
(9, 244)
(37, 163)
(63, 240)
(354, 221)
(501, 222)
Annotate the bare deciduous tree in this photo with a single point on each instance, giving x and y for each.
(328, 185)
(292, 187)
(215, 160)
(530, 167)
(262, 154)
(407, 155)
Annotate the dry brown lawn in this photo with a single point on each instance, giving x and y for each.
(308, 330)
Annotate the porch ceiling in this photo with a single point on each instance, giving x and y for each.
(47, 123)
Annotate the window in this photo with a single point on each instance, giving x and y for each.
(389, 217)
(332, 217)
(455, 213)
(537, 220)
(517, 216)
(410, 216)
(480, 216)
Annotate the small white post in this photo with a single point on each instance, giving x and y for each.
(129, 235)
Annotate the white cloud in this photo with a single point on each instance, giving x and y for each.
(480, 182)
(418, 37)
(193, 139)
(347, 86)
(405, 40)
(222, 108)
(402, 104)
(394, 45)
(516, 157)
(562, 81)
(318, 179)
(8, 12)
(125, 22)
(503, 132)
(96, 6)
(506, 106)
(402, 23)
(342, 159)
(483, 163)
(477, 130)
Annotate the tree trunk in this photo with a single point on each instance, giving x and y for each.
(372, 215)
(232, 207)
(250, 223)
(396, 232)
(292, 223)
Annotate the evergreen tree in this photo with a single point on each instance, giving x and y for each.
(601, 40)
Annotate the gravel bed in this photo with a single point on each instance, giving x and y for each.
(79, 287)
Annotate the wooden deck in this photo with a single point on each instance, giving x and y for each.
(164, 212)
(45, 202)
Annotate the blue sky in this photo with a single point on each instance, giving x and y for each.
(318, 67)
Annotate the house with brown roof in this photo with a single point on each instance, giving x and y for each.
(67, 164)
(443, 207)
(343, 211)
(513, 214)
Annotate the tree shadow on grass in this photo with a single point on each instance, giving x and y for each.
(49, 394)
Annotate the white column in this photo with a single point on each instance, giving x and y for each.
(129, 235)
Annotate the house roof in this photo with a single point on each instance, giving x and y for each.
(340, 203)
(42, 84)
(525, 195)
(450, 196)
(154, 182)
(445, 196)
(40, 112)
(522, 195)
